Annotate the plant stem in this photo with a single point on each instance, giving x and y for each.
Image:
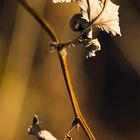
(64, 66)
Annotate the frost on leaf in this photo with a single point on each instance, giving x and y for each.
(35, 130)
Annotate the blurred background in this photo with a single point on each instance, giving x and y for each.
(31, 81)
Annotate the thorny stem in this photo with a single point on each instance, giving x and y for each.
(65, 70)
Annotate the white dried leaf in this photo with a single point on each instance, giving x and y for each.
(92, 48)
(109, 20)
(90, 9)
(62, 1)
(90, 33)
(46, 135)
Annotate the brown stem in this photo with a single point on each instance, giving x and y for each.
(64, 66)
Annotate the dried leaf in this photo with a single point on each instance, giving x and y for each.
(92, 47)
(109, 20)
(46, 135)
(62, 1)
(90, 9)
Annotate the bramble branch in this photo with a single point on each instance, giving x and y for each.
(63, 61)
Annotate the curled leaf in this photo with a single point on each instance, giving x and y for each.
(46, 135)
(90, 9)
(102, 14)
(109, 20)
(62, 1)
(92, 47)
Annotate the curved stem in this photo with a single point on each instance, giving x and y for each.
(64, 66)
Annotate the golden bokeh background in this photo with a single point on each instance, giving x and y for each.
(31, 80)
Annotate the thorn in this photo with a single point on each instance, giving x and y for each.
(75, 124)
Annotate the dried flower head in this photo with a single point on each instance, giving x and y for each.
(35, 130)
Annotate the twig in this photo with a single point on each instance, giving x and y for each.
(64, 66)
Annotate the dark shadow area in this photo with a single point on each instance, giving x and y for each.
(119, 97)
